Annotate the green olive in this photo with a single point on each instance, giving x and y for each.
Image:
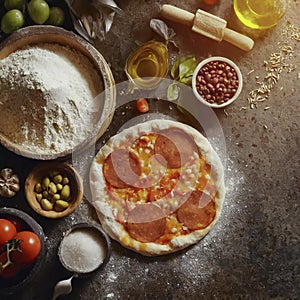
(59, 187)
(46, 204)
(52, 188)
(12, 21)
(46, 194)
(39, 11)
(56, 197)
(57, 178)
(65, 193)
(39, 197)
(11, 4)
(61, 205)
(65, 180)
(45, 182)
(56, 16)
(38, 188)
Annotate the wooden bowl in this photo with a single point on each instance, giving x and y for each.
(39, 34)
(43, 170)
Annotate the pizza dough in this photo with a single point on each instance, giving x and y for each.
(158, 187)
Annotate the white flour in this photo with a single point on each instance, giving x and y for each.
(47, 98)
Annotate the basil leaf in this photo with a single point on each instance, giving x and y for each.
(186, 68)
(175, 70)
(161, 28)
(173, 91)
(187, 80)
(183, 69)
(175, 67)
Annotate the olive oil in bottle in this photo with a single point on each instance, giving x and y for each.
(260, 14)
(148, 65)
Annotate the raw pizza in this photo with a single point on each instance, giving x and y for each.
(157, 187)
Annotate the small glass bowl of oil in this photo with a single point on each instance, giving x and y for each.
(147, 65)
(260, 14)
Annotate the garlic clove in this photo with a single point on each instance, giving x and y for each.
(14, 179)
(6, 192)
(6, 173)
(14, 187)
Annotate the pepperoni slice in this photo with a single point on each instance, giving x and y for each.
(121, 169)
(198, 211)
(146, 223)
(174, 147)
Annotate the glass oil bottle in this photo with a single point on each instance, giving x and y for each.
(146, 66)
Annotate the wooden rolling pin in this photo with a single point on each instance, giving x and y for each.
(208, 25)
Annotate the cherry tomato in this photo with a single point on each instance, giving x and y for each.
(210, 2)
(7, 231)
(29, 248)
(11, 270)
(142, 105)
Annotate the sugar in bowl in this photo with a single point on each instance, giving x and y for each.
(84, 250)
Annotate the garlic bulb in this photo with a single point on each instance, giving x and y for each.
(9, 183)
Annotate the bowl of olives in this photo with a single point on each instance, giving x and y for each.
(54, 189)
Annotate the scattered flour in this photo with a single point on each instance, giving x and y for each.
(110, 295)
(111, 277)
(47, 96)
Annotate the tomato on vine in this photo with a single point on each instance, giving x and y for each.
(7, 231)
(29, 247)
(8, 270)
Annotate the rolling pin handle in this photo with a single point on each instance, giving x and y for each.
(173, 13)
(239, 40)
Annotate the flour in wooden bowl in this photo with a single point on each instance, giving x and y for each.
(47, 96)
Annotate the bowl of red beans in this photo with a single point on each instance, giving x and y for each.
(217, 81)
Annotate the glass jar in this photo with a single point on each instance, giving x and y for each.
(148, 65)
(260, 14)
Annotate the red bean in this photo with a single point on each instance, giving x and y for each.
(210, 86)
(215, 81)
(207, 77)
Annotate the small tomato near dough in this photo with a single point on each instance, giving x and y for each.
(142, 105)
(210, 2)
(7, 231)
(29, 247)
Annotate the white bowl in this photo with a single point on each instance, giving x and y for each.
(201, 65)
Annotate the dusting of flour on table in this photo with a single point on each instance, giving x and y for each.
(47, 96)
